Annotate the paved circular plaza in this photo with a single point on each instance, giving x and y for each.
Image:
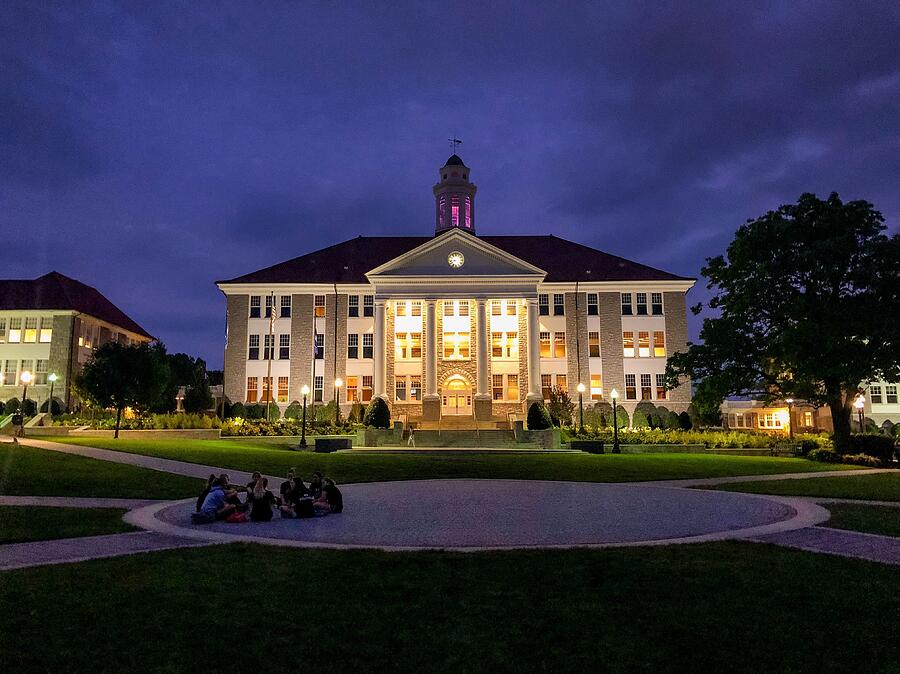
(479, 514)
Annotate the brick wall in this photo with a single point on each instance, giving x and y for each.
(611, 359)
(335, 349)
(577, 342)
(237, 312)
(301, 346)
(675, 307)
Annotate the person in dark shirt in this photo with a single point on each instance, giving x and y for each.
(286, 488)
(261, 501)
(315, 485)
(333, 495)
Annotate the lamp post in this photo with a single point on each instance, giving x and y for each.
(580, 407)
(790, 404)
(305, 392)
(25, 378)
(337, 408)
(52, 379)
(614, 394)
(860, 405)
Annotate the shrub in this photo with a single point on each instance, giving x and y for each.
(294, 411)
(256, 411)
(804, 447)
(2, 408)
(325, 413)
(12, 405)
(622, 418)
(861, 460)
(539, 417)
(639, 419)
(274, 412)
(55, 407)
(879, 446)
(29, 409)
(684, 421)
(599, 416)
(560, 406)
(357, 413)
(824, 455)
(377, 415)
(658, 418)
(673, 422)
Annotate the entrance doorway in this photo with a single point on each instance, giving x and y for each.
(456, 398)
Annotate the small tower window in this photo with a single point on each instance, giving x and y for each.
(468, 212)
(443, 211)
(454, 210)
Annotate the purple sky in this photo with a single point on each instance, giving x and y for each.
(149, 149)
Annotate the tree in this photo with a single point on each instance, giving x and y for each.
(190, 373)
(808, 304)
(122, 376)
(378, 414)
(538, 417)
(560, 406)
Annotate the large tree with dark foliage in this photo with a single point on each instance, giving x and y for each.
(807, 304)
(190, 373)
(122, 376)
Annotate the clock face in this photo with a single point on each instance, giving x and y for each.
(456, 259)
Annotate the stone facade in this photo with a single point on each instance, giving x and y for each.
(676, 342)
(468, 369)
(611, 361)
(237, 312)
(577, 353)
(63, 357)
(335, 342)
(301, 346)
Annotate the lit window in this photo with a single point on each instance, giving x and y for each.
(630, 387)
(497, 344)
(442, 209)
(462, 308)
(890, 392)
(497, 387)
(593, 305)
(628, 344)
(545, 345)
(368, 305)
(661, 387)
(284, 347)
(320, 346)
(808, 419)
(254, 306)
(3, 331)
(559, 304)
(267, 392)
(415, 344)
(626, 304)
(454, 210)
(352, 345)
(496, 308)
(562, 382)
(282, 389)
(560, 343)
(642, 304)
(400, 308)
(544, 305)
(656, 304)
(368, 342)
(596, 387)
(510, 307)
(448, 308)
(318, 388)
(285, 306)
(367, 388)
(546, 385)
(416, 308)
(770, 420)
(252, 389)
(415, 388)
(875, 394)
(594, 344)
(319, 306)
(46, 330)
(468, 211)
(644, 344)
(30, 330)
(646, 387)
(352, 384)
(512, 387)
(659, 344)
(40, 372)
(400, 388)
(253, 350)
(353, 306)
(456, 345)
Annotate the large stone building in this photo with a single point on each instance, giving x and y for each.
(454, 323)
(50, 326)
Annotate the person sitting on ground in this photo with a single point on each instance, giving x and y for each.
(315, 485)
(261, 501)
(330, 500)
(234, 499)
(251, 485)
(216, 504)
(286, 488)
(205, 491)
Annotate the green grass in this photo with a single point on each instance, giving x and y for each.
(249, 455)
(28, 471)
(29, 523)
(876, 487)
(712, 607)
(884, 520)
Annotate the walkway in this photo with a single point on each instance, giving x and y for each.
(542, 514)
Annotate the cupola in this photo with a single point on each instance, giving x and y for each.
(454, 197)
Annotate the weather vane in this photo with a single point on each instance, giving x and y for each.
(453, 143)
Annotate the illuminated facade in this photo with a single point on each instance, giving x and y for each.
(454, 323)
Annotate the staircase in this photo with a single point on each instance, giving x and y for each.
(469, 438)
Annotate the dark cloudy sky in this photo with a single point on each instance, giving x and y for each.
(151, 148)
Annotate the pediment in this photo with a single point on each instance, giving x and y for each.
(431, 259)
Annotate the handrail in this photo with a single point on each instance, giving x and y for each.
(475, 420)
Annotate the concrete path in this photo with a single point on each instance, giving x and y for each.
(712, 481)
(75, 502)
(884, 549)
(68, 550)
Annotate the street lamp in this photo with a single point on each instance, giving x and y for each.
(614, 394)
(25, 378)
(337, 408)
(52, 379)
(860, 405)
(305, 392)
(580, 389)
(790, 404)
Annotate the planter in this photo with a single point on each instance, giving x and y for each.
(326, 445)
(589, 446)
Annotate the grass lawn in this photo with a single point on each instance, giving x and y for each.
(711, 607)
(884, 520)
(28, 471)
(30, 523)
(249, 455)
(877, 487)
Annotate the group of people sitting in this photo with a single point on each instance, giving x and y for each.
(220, 500)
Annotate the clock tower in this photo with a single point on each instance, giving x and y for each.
(454, 197)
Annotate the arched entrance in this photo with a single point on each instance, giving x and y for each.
(456, 397)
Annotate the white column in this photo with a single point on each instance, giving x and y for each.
(482, 347)
(430, 349)
(379, 348)
(534, 352)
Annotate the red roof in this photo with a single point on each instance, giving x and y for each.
(563, 260)
(54, 291)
